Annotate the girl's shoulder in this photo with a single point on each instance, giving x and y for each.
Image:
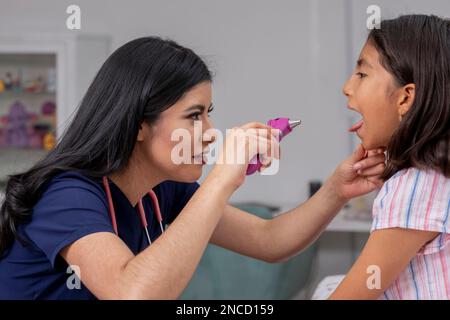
(416, 199)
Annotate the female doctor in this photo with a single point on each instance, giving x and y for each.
(99, 201)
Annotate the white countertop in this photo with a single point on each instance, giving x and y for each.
(345, 221)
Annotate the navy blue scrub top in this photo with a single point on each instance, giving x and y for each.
(72, 207)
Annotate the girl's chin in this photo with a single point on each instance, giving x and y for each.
(372, 144)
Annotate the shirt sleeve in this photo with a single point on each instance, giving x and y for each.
(68, 210)
(415, 199)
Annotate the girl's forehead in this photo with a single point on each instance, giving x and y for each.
(369, 54)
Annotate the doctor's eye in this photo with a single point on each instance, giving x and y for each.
(211, 109)
(195, 116)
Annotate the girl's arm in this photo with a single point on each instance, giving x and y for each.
(388, 251)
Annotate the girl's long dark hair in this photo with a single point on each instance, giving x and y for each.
(416, 49)
(137, 82)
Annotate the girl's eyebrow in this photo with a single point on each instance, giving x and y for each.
(363, 62)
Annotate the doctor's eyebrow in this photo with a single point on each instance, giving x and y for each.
(363, 62)
(199, 107)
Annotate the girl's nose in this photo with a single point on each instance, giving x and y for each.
(347, 90)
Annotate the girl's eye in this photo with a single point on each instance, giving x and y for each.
(361, 75)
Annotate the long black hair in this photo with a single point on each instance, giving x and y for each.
(416, 49)
(137, 82)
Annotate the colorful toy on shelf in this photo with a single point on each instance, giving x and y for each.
(17, 132)
(48, 113)
(8, 81)
(48, 108)
(2, 138)
(35, 85)
(49, 141)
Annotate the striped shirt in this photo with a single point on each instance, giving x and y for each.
(420, 200)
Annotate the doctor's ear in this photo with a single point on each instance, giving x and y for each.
(143, 131)
(406, 99)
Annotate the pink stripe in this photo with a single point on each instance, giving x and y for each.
(436, 275)
(445, 272)
(433, 192)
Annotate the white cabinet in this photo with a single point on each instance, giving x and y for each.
(39, 73)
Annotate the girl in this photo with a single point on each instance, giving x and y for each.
(88, 204)
(401, 88)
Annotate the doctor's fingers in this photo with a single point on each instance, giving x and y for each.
(372, 171)
(260, 129)
(257, 125)
(374, 152)
(269, 148)
(370, 162)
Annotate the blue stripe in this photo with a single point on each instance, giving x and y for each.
(411, 199)
(387, 190)
(414, 280)
(385, 295)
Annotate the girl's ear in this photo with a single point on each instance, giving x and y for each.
(406, 98)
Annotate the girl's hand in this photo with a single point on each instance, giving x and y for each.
(359, 174)
(240, 146)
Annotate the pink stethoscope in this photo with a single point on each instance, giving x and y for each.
(155, 202)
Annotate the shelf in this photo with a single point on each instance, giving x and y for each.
(21, 94)
(345, 220)
(343, 223)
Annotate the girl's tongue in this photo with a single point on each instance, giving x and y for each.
(356, 126)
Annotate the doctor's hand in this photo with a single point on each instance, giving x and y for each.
(240, 147)
(359, 174)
